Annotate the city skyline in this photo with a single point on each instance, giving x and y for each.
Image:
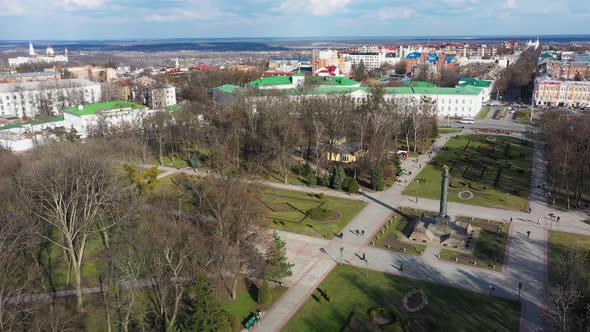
(141, 19)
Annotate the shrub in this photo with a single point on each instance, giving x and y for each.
(377, 180)
(320, 195)
(337, 178)
(306, 170)
(323, 181)
(319, 213)
(353, 187)
(346, 183)
(264, 294)
(311, 180)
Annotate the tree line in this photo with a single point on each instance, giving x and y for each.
(164, 258)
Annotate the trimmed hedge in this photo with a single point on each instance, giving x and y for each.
(319, 213)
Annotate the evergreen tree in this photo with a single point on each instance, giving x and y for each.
(353, 186)
(377, 180)
(196, 160)
(203, 310)
(278, 266)
(264, 294)
(338, 177)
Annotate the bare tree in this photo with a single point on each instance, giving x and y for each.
(72, 195)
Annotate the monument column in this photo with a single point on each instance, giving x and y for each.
(444, 194)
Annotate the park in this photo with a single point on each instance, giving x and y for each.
(489, 171)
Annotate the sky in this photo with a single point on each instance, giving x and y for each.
(128, 19)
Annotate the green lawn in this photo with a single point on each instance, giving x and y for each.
(523, 116)
(483, 113)
(497, 173)
(57, 268)
(246, 299)
(445, 130)
(290, 207)
(490, 247)
(398, 228)
(559, 242)
(448, 309)
(169, 162)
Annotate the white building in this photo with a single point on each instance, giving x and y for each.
(88, 119)
(457, 102)
(21, 137)
(33, 57)
(30, 99)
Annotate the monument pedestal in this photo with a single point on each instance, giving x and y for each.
(442, 220)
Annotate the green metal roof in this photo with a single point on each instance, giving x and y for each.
(419, 84)
(271, 80)
(547, 55)
(228, 88)
(288, 80)
(460, 90)
(173, 108)
(97, 107)
(468, 81)
(37, 122)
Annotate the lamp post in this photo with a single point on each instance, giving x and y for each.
(519, 288)
(367, 270)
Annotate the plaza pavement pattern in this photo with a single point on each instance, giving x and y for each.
(526, 260)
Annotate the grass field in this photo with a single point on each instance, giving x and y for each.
(490, 247)
(483, 113)
(290, 207)
(246, 299)
(169, 162)
(523, 116)
(398, 228)
(496, 172)
(449, 130)
(559, 242)
(448, 309)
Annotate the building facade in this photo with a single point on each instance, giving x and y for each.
(29, 77)
(457, 102)
(561, 93)
(31, 99)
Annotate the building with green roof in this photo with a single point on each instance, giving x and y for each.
(460, 101)
(419, 84)
(485, 85)
(115, 113)
(299, 80)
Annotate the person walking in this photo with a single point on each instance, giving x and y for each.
(510, 219)
(363, 232)
(557, 219)
(528, 234)
(539, 221)
(364, 257)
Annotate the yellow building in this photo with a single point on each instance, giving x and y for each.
(344, 152)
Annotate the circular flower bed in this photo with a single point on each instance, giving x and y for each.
(415, 300)
(465, 195)
(491, 139)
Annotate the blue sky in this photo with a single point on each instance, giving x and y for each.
(120, 19)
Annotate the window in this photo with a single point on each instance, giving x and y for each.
(345, 158)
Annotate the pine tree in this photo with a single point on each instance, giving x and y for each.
(338, 177)
(264, 294)
(203, 310)
(353, 186)
(377, 180)
(278, 266)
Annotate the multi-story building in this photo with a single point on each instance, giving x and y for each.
(46, 98)
(561, 93)
(569, 70)
(33, 57)
(290, 65)
(93, 118)
(97, 74)
(29, 77)
(149, 92)
(460, 101)
(300, 80)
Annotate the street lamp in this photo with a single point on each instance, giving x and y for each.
(367, 270)
(519, 288)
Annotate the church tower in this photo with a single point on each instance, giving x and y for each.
(31, 49)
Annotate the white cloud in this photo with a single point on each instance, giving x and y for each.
(12, 8)
(389, 13)
(510, 4)
(317, 7)
(89, 4)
